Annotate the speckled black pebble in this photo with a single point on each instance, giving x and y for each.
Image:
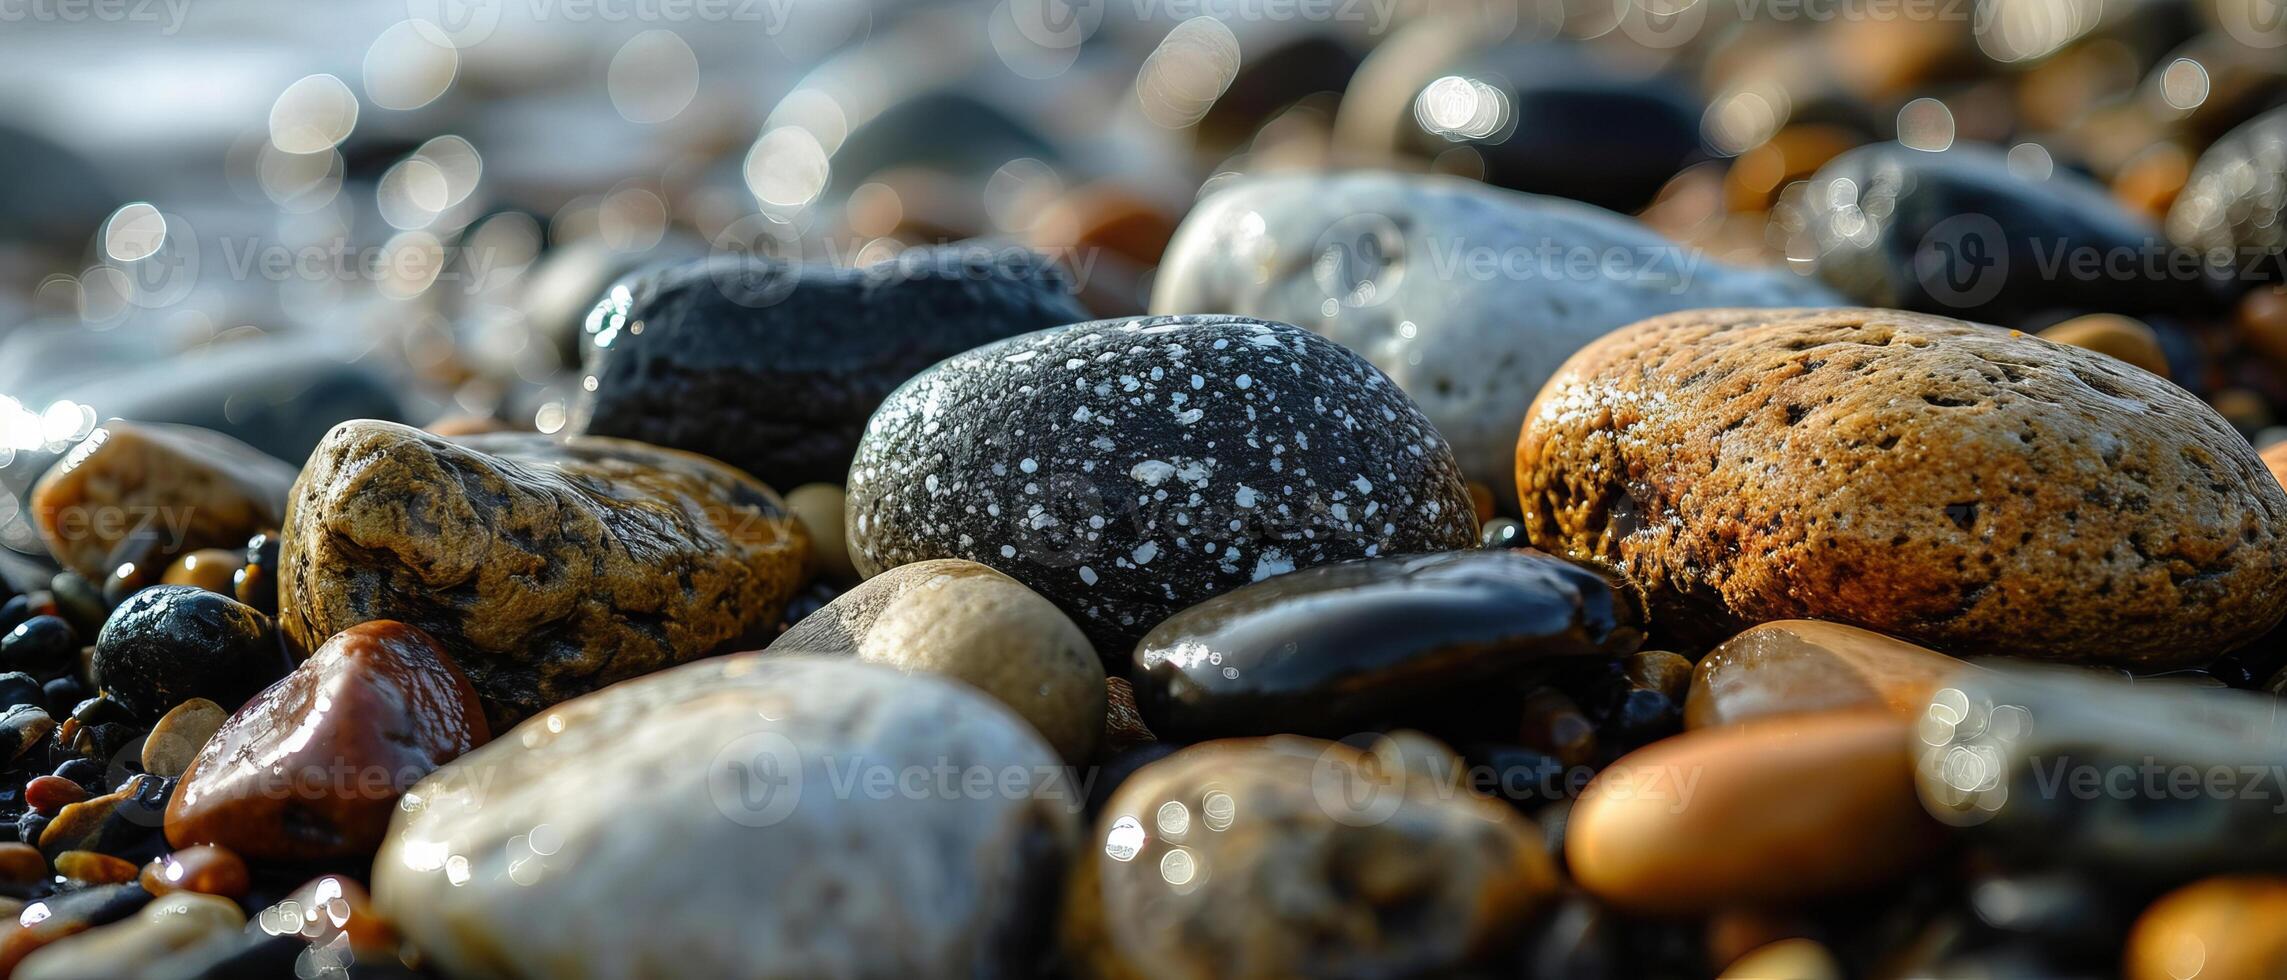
(1329, 651)
(169, 643)
(43, 647)
(773, 367)
(1126, 469)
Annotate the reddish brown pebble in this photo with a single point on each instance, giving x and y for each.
(312, 767)
(22, 864)
(93, 868)
(202, 868)
(50, 794)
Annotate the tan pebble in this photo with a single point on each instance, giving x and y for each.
(176, 740)
(93, 868)
(2122, 338)
(22, 864)
(2276, 459)
(2225, 928)
(208, 568)
(1799, 665)
(1733, 933)
(1664, 671)
(819, 506)
(78, 824)
(1775, 810)
(222, 491)
(1787, 959)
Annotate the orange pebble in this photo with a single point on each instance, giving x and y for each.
(207, 568)
(203, 868)
(94, 868)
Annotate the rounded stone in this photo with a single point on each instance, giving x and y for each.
(2121, 338)
(170, 643)
(1341, 648)
(311, 769)
(2219, 927)
(1126, 469)
(179, 735)
(820, 507)
(976, 625)
(539, 855)
(546, 567)
(174, 487)
(773, 367)
(1799, 665)
(168, 924)
(1687, 824)
(212, 569)
(1291, 856)
(1965, 488)
(1468, 296)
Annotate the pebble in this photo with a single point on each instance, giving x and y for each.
(41, 646)
(312, 768)
(22, 728)
(176, 739)
(62, 915)
(170, 643)
(820, 506)
(1787, 959)
(17, 687)
(1290, 856)
(976, 625)
(1378, 263)
(88, 867)
(2017, 497)
(2122, 338)
(546, 567)
(2235, 201)
(49, 794)
(1799, 665)
(212, 569)
(256, 582)
(1128, 469)
(2069, 767)
(166, 925)
(202, 868)
(124, 822)
(189, 488)
(2222, 927)
(22, 867)
(1687, 825)
(1957, 232)
(682, 357)
(536, 856)
(1341, 648)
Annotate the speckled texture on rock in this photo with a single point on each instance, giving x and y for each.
(2236, 197)
(1126, 469)
(1965, 488)
(540, 855)
(1293, 857)
(976, 625)
(1474, 298)
(545, 567)
(773, 367)
(182, 488)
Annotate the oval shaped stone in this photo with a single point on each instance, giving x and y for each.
(518, 859)
(1341, 648)
(312, 767)
(1468, 296)
(545, 567)
(181, 488)
(168, 924)
(1957, 486)
(177, 738)
(1800, 665)
(976, 625)
(1126, 469)
(170, 643)
(1291, 856)
(2219, 927)
(773, 367)
(1691, 824)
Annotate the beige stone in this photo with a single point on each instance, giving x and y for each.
(1800, 665)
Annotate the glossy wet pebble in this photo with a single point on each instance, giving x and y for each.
(1772, 811)
(170, 643)
(177, 738)
(166, 925)
(976, 625)
(1961, 487)
(1126, 469)
(312, 767)
(1332, 650)
(545, 567)
(1444, 283)
(773, 367)
(1292, 856)
(2156, 778)
(1800, 665)
(2219, 927)
(173, 487)
(538, 855)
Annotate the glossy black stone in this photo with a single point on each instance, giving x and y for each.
(1126, 469)
(1328, 651)
(170, 643)
(1956, 233)
(43, 646)
(773, 367)
(17, 687)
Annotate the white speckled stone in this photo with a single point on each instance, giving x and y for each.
(1126, 469)
(724, 819)
(1474, 295)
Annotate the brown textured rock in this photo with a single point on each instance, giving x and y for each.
(1286, 856)
(546, 567)
(159, 489)
(1798, 665)
(1967, 488)
(2220, 927)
